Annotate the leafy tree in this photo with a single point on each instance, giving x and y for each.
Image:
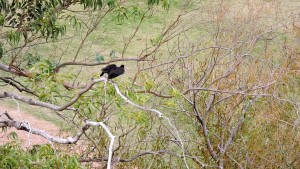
(205, 84)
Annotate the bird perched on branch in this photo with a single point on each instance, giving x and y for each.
(113, 71)
(116, 72)
(107, 69)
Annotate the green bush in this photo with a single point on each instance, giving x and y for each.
(12, 155)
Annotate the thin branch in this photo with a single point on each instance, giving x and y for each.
(205, 133)
(17, 85)
(163, 34)
(94, 64)
(226, 91)
(133, 35)
(89, 31)
(52, 106)
(8, 121)
(159, 114)
(154, 93)
(15, 70)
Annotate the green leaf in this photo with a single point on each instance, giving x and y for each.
(112, 54)
(99, 58)
(14, 37)
(166, 4)
(175, 93)
(148, 86)
(13, 135)
(32, 59)
(1, 20)
(157, 40)
(1, 50)
(136, 11)
(170, 103)
(3, 129)
(111, 3)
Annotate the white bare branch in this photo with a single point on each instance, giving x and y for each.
(8, 121)
(111, 136)
(159, 114)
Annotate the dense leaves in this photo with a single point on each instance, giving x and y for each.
(44, 156)
(32, 16)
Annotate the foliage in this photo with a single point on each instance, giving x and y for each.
(12, 155)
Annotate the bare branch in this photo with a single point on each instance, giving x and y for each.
(111, 136)
(235, 92)
(93, 64)
(154, 93)
(202, 121)
(7, 121)
(17, 85)
(15, 70)
(24, 126)
(93, 27)
(134, 34)
(163, 34)
(159, 114)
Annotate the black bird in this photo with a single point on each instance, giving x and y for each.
(107, 69)
(115, 72)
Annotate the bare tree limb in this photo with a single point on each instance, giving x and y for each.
(15, 70)
(93, 64)
(233, 132)
(17, 85)
(159, 114)
(7, 121)
(111, 136)
(234, 92)
(205, 133)
(134, 33)
(93, 27)
(154, 93)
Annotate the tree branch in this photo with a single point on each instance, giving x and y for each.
(235, 92)
(17, 85)
(202, 121)
(111, 136)
(15, 70)
(159, 114)
(94, 64)
(7, 121)
(154, 93)
(52, 106)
